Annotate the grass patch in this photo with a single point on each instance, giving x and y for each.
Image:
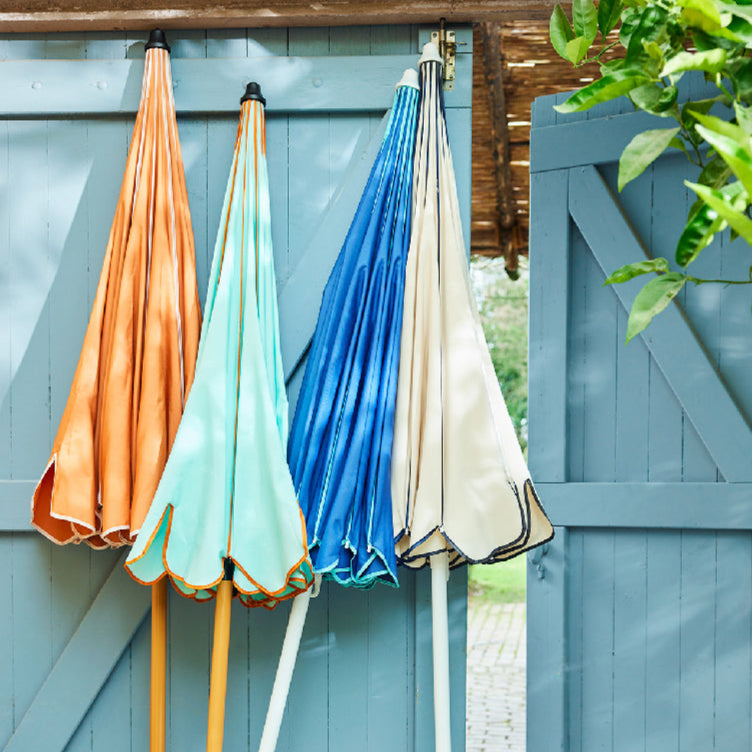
(501, 583)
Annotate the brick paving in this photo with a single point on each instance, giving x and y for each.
(495, 676)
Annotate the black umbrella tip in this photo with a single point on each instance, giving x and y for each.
(253, 91)
(157, 40)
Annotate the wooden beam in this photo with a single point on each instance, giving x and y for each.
(506, 216)
(667, 506)
(118, 15)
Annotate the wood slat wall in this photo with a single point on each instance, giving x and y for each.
(654, 596)
(59, 181)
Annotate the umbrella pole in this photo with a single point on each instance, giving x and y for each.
(284, 672)
(442, 725)
(158, 692)
(220, 649)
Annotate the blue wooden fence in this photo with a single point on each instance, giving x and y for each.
(73, 627)
(640, 611)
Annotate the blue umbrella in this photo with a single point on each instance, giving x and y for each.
(341, 437)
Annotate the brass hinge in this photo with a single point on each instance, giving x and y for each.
(447, 44)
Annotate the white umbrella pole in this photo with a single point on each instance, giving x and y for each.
(285, 668)
(442, 725)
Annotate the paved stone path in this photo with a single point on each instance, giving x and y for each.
(495, 677)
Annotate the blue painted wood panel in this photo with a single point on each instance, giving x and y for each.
(364, 676)
(637, 451)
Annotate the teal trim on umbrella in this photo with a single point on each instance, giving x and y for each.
(226, 492)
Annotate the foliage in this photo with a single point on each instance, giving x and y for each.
(500, 583)
(644, 48)
(503, 306)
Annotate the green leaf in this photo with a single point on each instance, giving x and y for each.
(577, 49)
(603, 89)
(630, 20)
(725, 208)
(630, 271)
(716, 173)
(677, 143)
(732, 143)
(641, 151)
(651, 300)
(703, 223)
(705, 8)
(711, 61)
(743, 117)
(690, 109)
(585, 19)
(652, 27)
(655, 99)
(608, 15)
(560, 30)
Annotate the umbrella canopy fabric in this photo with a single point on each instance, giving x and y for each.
(137, 360)
(226, 495)
(460, 484)
(341, 439)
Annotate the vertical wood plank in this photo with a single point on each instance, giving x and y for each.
(392, 39)
(573, 595)
(6, 637)
(140, 650)
(697, 688)
(630, 599)
(227, 43)
(239, 676)
(662, 641)
(599, 441)
(350, 40)
(265, 42)
(389, 683)
(194, 140)
(310, 699)
(32, 269)
(549, 315)
(189, 639)
(349, 667)
(277, 145)
(733, 654)
(598, 641)
(32, 619)
(547, 719)
(6, 318)
(187, 43)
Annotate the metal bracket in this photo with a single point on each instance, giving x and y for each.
(447, 44)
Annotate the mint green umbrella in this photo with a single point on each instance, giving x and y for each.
(225, 508)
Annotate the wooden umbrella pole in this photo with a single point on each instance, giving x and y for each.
(220, 650)
(158, 698)
(442, 724)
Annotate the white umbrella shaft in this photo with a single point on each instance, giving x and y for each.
(284, 672)
(442, 725)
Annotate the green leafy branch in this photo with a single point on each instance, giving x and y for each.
(659, 41)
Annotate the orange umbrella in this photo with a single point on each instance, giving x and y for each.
(138, 357)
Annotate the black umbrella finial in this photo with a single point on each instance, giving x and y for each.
(157, 40)
(253, 91)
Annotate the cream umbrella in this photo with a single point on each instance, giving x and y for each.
(461, 490)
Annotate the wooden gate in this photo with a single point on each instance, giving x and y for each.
(639, 612)
(74, 639)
